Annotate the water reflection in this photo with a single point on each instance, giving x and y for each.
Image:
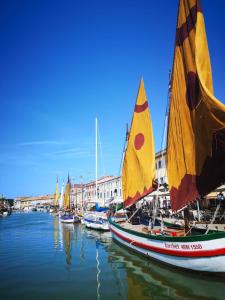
(56, 233)
(147, 279)
(63, 238)
(67, 234)
(118, 271)
(100, 239)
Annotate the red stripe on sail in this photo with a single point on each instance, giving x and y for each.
(140, 108)
(186, 192)
(131, 200)
(213, 171)
(181, 253)
(184, 30)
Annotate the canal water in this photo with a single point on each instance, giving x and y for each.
(40, 258)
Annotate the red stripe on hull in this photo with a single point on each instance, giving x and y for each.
(196, 254)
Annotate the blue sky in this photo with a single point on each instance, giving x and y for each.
(65, 62)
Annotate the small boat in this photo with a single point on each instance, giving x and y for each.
(195, 161)
(96, 220)
(69, 218)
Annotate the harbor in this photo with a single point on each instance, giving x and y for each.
(147, 222)
(42, 258)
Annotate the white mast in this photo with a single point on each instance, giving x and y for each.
(96, 159)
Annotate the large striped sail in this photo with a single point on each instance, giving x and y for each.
(138, 171)
(196, 129)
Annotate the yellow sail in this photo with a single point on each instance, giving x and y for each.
(196, 129)
(67, 194)
(56, 193)
(138, 171)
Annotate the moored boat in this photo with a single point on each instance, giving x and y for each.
(69, 218)
(96, 220)
(192, 157)
(199, 252)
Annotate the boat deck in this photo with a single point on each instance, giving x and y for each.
(140, 227)
(155, 231)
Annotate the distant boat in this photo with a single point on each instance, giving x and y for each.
(68, 216)
(96, 220)
(195, 154)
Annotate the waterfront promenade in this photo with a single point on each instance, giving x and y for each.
(41, 258)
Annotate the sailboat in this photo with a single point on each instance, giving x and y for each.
(96, 219)
(195, 153)
(68, 216)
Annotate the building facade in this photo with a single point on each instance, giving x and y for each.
(22, 202)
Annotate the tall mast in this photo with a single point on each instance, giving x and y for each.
(96, 159)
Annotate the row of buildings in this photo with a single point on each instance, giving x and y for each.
(109, 188)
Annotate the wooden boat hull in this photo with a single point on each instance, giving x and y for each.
(205, 253)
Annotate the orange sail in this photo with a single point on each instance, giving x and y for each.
(196, 129)
(138, 171)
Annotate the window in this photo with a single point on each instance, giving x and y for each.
(160, 164)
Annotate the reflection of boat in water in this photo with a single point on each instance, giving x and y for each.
(163, 282)
(64, 236)
(67, 237)
(104, 239)
(101, 237)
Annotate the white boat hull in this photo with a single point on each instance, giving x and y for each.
(199, 253)
(68, 220)
(95, 220)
